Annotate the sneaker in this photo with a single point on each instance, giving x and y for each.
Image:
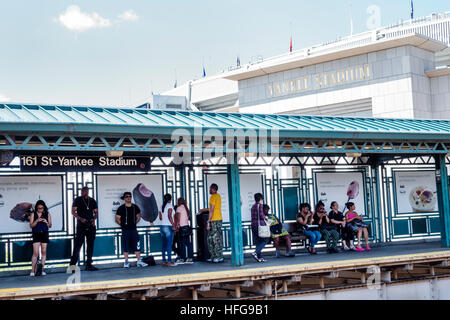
(32, 274)
(290, 254)
(90, 267)
(278, 254)
(209, 260)
(189, 261)
(141, 263)
(255, 256)
(218, 260)
(126, 264)
(170, 264)
(43, 273)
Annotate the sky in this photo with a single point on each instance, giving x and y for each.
(115, 53)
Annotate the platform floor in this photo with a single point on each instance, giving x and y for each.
(108, 275)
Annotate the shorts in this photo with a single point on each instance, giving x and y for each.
(130, 241)
(41, 237)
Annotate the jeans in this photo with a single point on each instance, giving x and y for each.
(167, 239)
(259, 242)
(185, 243)
(83, 231)
(314, 236)
(331, 237)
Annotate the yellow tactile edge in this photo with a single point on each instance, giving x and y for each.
(217, 276)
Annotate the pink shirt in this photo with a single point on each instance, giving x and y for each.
(184, 219)
(350, 216)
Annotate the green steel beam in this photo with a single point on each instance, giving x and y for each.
(237, 250)
(443, 199)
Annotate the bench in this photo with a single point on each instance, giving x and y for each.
(296, 237)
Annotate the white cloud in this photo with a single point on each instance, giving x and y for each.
(4, 98)
(128, 15)
(75, 20)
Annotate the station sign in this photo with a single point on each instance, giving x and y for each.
(63, 163)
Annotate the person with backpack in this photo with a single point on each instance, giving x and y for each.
(127, 216)
(182, 220)
(277, 233)
(40, 222)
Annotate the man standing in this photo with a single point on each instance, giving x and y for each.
(214, 225)
(85, 210)
(127, 216)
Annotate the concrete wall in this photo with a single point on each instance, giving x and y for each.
(398, 85)
(440, 97)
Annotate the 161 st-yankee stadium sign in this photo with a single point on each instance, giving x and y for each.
(33, 163)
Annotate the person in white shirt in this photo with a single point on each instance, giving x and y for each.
(168, 228)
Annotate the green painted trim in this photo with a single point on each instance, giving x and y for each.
(443, 199)
(237, 251)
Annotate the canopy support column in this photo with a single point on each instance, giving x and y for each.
(234, 192)
(443, 199)
(375, 166)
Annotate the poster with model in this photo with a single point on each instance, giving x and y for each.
(341, 187)
(147, 191)
(18, 195)
(415, 191)
(250, 184)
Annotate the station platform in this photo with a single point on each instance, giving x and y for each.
(208, 280)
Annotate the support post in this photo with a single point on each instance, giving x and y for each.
(378, 206)
(234, 195)
(182, 173)
(443, 199)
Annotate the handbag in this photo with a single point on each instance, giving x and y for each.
(263, 231)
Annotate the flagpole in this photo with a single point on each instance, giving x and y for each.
(290, 39)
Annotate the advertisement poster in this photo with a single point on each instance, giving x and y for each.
(415, 191)
(341, 187)
(146, 189)
(18, 195)
(250, 184)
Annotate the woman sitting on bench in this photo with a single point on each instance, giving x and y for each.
(277, 232)
(355, 223)
(305, 221)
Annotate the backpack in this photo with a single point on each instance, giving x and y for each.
(149, 260)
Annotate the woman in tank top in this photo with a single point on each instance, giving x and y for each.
(40, 222)
(356, 225)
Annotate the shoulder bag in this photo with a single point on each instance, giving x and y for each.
(263, 231)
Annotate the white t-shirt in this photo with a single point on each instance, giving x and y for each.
(165, 215)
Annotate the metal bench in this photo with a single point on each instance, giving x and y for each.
(296, 237)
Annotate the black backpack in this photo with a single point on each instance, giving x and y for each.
(149, 260)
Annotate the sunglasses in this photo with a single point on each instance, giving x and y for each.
(127, 197)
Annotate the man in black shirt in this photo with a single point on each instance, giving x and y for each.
(127, 216)
(85, 210)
